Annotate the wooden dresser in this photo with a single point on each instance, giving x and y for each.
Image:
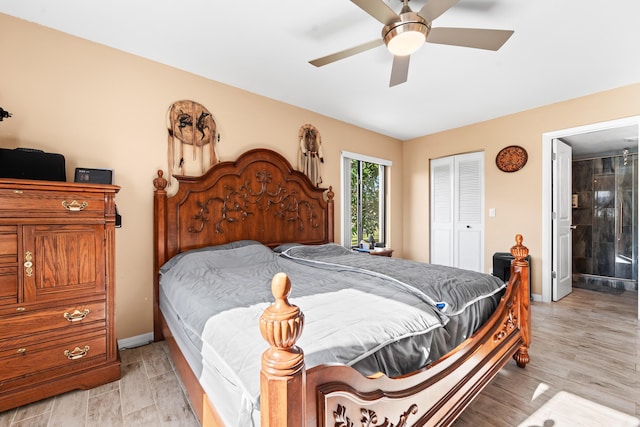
(57, 305)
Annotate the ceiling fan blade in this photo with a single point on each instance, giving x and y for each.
(478, 38)
(435, 8)
(378, 10)
(399, 70)
(346, 53)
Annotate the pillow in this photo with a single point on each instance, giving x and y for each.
(231, 245)
(283, 247)
(315, 251)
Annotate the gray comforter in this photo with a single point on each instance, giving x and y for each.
(357, 312)
(452, 289)
(467, 297)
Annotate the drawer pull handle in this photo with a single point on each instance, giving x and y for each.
(28, 264)
(76, 315)
(22, 351)
(17, 191)
(77, 353)
(21, 309)
(74, 206)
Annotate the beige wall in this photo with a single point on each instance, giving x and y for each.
(517, 197)
(103, 108)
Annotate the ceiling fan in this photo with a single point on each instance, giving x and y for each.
(403, 34)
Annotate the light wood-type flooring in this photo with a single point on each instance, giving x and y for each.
(584, 371)
(148, 394)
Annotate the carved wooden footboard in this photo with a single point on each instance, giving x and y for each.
(340, 396)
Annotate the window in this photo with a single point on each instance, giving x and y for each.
(364, 199)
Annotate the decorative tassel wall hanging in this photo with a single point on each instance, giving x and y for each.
(310, 155)
(4, 114)
(190, 123)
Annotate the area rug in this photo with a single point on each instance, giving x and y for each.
(568, 410)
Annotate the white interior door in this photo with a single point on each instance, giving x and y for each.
(561, 221)
(468, 208)
(441, 203)
(457, 201)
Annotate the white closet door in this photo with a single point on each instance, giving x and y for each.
(468, 225)
(442, 211)
(457, 205)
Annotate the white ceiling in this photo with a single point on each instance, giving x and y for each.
(608, 141)
(561, 49)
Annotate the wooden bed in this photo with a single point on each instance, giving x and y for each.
(260, 197)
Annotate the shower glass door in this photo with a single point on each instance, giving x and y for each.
(626, 217)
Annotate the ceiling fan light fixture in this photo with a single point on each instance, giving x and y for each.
(405, 37)
(406, 43)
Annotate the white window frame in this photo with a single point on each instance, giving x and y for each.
(345, 188)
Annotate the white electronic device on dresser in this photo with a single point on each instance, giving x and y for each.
(57, 289)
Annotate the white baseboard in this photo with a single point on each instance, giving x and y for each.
(536, 297)
(136, 341)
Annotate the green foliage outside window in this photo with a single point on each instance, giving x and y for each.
(366, 199)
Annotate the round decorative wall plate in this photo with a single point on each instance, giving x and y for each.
(511, 158)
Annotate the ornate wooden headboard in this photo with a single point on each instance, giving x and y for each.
(258, 197)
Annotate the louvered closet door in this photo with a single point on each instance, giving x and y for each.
(468, 197)
(457, 200)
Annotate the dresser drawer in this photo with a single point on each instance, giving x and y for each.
(26, 203)
(66, 351)
(65, 317)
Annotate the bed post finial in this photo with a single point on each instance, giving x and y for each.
(282, 377)
(330, 193)
(519, 251)
(160, 182)
(520, 265)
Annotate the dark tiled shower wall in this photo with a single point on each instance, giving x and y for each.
(582, 188)
(595, 238)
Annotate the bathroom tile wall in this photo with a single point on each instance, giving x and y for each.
(603, 188)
